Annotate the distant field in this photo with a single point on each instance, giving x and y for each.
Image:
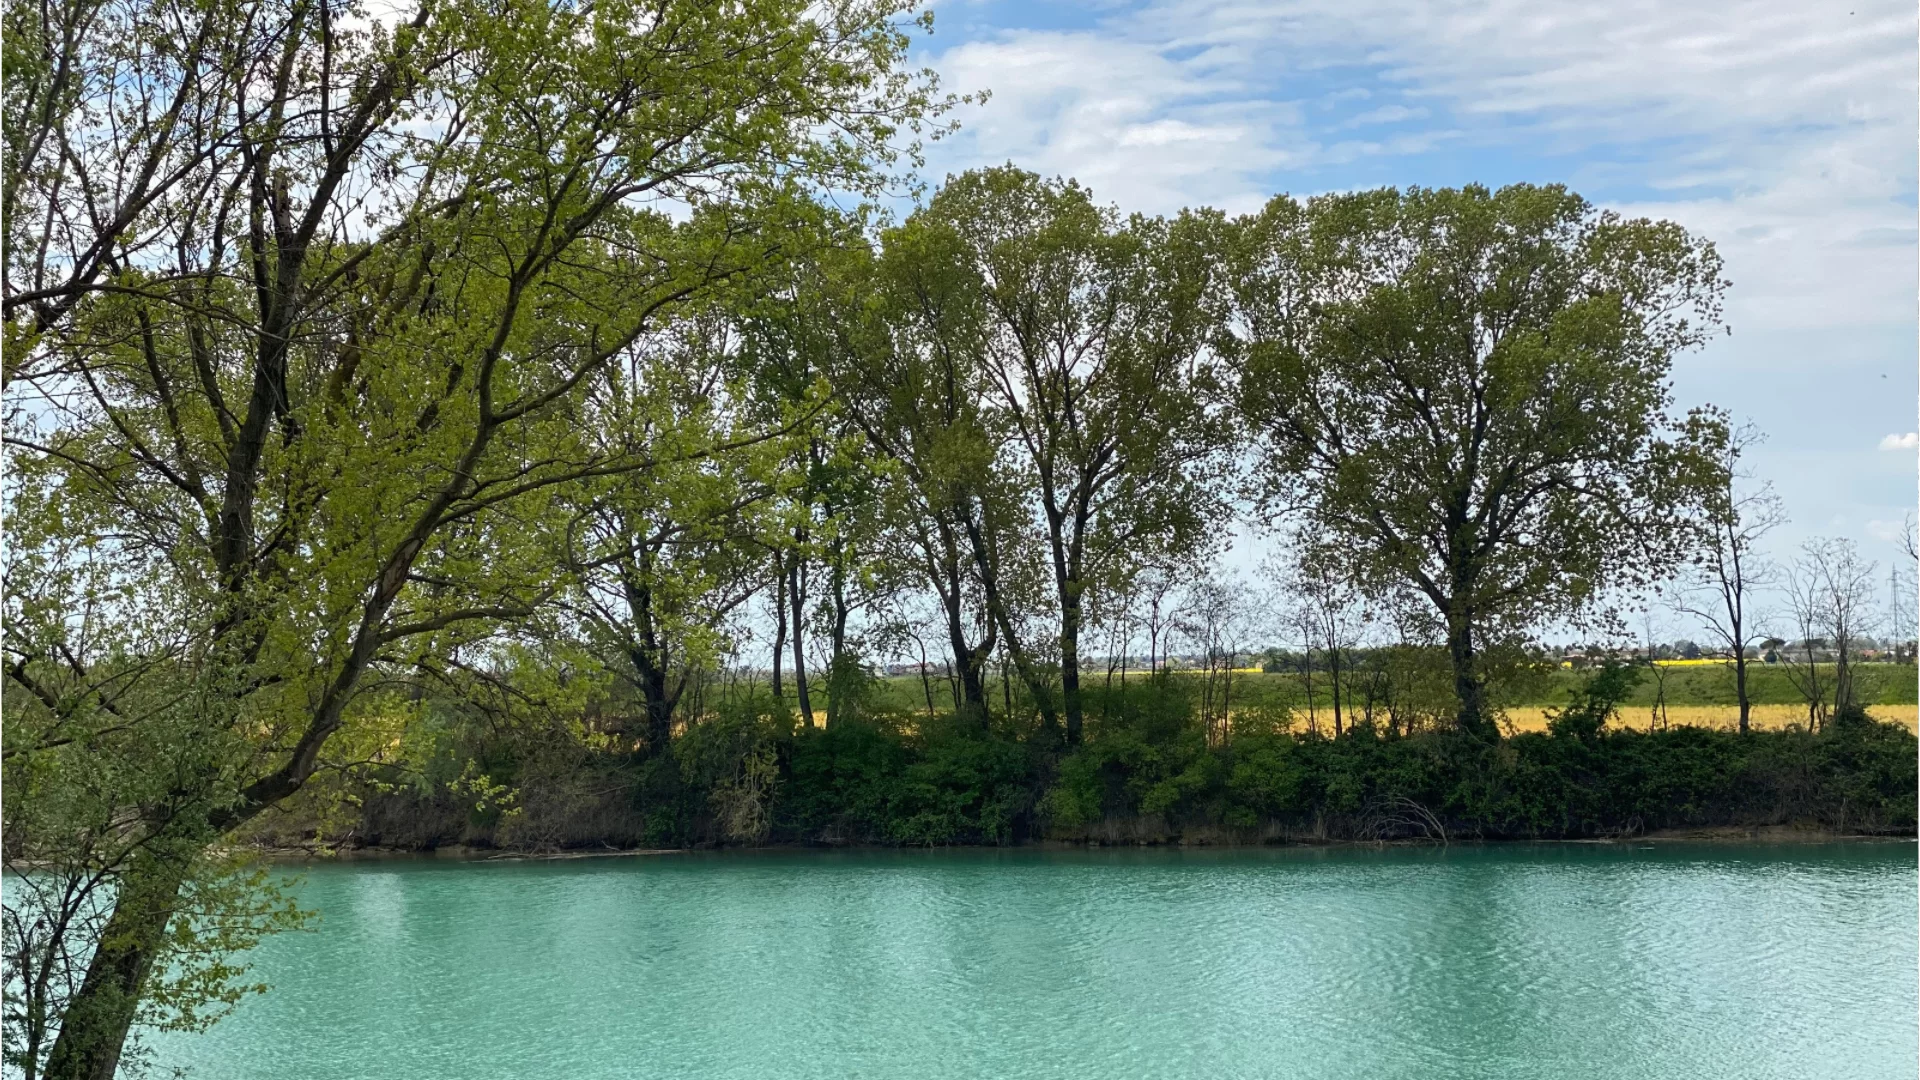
(1716, 716)
(1696, 694)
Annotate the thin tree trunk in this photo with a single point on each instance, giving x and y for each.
(926, 682)
(1306, 672)
(1226, 699)
(1842, 677)
(838, 671)
(1740, 685)
(1070, 662)
(780, 625)
(796, 595)
(1333, 672)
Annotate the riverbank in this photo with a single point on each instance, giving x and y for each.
(1148, 773)
(1759, 835)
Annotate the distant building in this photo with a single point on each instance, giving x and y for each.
(916, 669)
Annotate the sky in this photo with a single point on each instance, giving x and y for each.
(1782, 130)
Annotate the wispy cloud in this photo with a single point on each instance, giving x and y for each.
(1909, 441)
(1387, 114)
(1141, 127)
(1781, 129)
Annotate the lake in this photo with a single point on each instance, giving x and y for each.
(1656, 961)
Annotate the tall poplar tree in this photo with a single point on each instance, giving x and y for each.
(1090, 343)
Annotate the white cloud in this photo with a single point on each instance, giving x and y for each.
(1886, 531)
(1779, 129)
(1136, 125)
(1387, 114)
(1909, 441)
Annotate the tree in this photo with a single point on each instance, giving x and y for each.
(329, 371)
(116, 715)
(1801, 658)
(1830, 591)
(1727, 568)
(1331, 619)
(1466, 392)
(1652, 629)
(661, 560)
(1216, 619)
(1089, 336)
(907, 371)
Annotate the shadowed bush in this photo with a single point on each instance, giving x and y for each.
(1149, 772)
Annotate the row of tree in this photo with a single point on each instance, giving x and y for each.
(1036, 415)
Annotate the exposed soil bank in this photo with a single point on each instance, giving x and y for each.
(1762, 834)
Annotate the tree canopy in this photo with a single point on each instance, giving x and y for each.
(1465, 392)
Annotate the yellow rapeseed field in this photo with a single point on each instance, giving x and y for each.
(1705, 661)
(1716, 716)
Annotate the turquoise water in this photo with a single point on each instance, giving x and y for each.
(1552, 961)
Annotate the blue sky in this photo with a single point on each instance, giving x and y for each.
(1783, 131)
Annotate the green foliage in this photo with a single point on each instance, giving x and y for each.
(731, 759)
(1032, 359)
(1595, 703)
(1465, 395)
(1150, 779)
(1148, 772)
(863, 781)
(425, 271)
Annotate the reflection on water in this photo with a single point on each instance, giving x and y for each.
(1552, 961)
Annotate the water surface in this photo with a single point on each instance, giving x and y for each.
(1553, 961)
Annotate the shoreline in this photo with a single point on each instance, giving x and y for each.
(1733, 836)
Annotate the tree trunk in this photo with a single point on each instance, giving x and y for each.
(1070, 660)
(100, 1015)
(1037, 684)
(780, 623)
(926, 681)
(648, 656)
(1306, 675)
(796, 594)
(1226, 704)
(840, 672)
(1333, 673)
(1467, 684)
(658, 699)
(967, 662)
(1740, 685)
(1842, 677)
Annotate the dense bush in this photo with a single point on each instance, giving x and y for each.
(862, 781)
(1149, 771)
(1583, 779)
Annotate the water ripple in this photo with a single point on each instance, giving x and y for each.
(1503, 962)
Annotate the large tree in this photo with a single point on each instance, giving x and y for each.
(1088, 336)
(301, 304)
(1466, 391)
(660, 560)
(907, 369)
